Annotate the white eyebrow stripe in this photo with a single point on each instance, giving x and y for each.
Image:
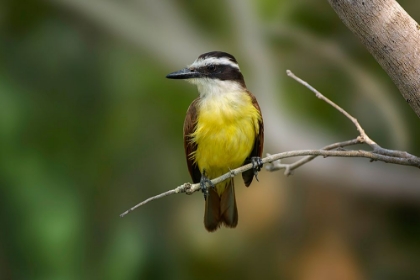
(214, 60)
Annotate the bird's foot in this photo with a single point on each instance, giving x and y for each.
(257, 164)
(204, 182)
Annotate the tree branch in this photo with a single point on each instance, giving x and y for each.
(333, 150)
(391, 36)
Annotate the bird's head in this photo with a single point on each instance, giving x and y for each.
(213, 73)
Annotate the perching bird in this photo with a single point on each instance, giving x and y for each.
(223, 130)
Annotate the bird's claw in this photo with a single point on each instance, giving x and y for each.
(204, 182)
(257, 164)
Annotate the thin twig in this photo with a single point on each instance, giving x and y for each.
(359, 128)
(148, 200)
(362, 134)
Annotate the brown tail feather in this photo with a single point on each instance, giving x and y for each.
(228, 209)
(221, 210)
(212, 211)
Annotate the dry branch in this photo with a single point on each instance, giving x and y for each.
(334, 150)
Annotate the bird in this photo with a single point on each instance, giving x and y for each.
(223, 130)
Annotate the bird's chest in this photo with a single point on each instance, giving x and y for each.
(225, 135)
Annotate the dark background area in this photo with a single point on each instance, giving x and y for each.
(89, 126)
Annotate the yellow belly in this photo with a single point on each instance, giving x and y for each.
(225, 136)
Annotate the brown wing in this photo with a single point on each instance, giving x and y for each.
(189, 127)
(258, 145)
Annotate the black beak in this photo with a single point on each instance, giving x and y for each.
(185, 73)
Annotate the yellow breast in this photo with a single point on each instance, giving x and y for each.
(225, 133)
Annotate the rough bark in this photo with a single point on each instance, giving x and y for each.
(391, 36)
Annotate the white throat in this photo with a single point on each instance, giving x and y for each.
(210, 88)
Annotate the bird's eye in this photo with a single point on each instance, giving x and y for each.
(211, 67)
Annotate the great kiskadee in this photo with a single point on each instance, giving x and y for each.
(223, 130)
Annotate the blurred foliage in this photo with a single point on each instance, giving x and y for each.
(89, 127)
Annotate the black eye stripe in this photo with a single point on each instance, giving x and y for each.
(217, 66)
(211, 67)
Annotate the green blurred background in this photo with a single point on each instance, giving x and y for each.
(89, 126)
